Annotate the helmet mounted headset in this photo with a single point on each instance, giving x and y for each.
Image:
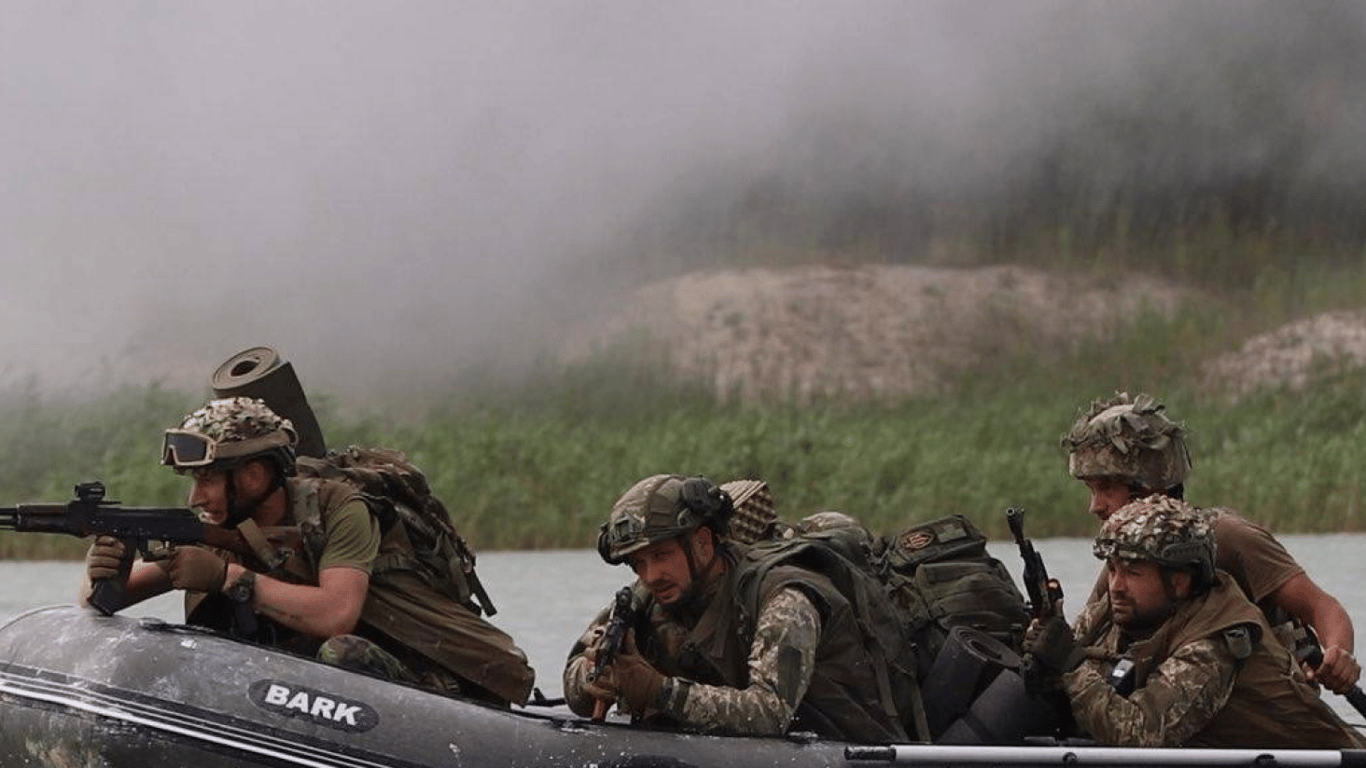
(660, 508)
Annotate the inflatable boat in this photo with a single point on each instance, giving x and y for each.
(81, 689)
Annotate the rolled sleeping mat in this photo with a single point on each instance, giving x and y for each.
(260, 372)
(967, 664)
(1005, 713)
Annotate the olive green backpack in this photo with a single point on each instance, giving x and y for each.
(399, 494)
(940, 575)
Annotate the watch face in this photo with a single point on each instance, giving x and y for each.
(241, 590)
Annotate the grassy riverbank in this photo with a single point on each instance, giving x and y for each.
(539, 464)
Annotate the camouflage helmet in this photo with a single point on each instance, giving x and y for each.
(228, 431)
(659, 508)
(1131, 439)
(1161, 529)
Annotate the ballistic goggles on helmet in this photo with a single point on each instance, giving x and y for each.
(187, 449)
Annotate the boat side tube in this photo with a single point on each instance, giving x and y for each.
(1106, 756)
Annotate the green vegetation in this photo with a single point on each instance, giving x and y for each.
(539, 464)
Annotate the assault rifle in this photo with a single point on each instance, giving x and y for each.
(1044, 593)
(621, 618)
(90, 514)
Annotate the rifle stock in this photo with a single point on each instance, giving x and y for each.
(91, 514)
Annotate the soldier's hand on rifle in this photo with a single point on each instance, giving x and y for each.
(637, 682)
(197, 569)
(103, 558)
(1338, 671)
(603, 687)
(1053, 646)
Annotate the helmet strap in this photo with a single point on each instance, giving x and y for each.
(239, 513)
(690, 605)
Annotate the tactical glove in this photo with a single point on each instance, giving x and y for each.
(197, 569)
(103, 558)
(637, 682)
(1052, 645)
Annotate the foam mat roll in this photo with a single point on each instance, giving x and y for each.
(260, 372)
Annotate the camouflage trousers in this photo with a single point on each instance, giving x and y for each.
(361, 655)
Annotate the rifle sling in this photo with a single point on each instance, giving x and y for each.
(274, 558)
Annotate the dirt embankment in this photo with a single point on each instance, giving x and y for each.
(882, 330)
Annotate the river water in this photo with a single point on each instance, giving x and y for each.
(545, 599)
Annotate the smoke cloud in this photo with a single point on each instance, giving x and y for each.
(397, 194)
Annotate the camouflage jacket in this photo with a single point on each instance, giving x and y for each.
(793, 660)
(1211, 676)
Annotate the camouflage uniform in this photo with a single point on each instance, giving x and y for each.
(784, 654)
(1212, 675)
(411, 627)
(1132, 439)
(780, 662)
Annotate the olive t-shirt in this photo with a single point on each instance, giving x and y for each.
(1247, 552)
(352, 538)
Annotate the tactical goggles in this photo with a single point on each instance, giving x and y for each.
(183, 448)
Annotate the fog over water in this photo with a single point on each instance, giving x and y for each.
(396, 194)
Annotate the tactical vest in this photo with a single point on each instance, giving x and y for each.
(941, 576)
(413, 604)
(1272, 706)
(863, 679)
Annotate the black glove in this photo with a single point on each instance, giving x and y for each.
(1052, 646)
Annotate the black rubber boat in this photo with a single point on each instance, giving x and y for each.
(81, 689)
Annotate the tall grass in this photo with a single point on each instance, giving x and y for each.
(538, 464)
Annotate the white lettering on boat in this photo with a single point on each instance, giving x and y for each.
(293, 700)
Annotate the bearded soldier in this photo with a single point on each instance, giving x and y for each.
(1126, 448)
(723, 640)
(328, 578)
(1175, 654)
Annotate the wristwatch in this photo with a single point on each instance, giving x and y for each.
(244, 589)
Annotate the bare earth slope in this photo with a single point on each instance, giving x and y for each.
(885, 330)
(870, 330)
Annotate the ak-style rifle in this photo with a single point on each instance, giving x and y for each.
(1045, 594)
(91, 514)
(613, 638)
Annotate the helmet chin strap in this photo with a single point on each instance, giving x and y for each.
(692, 602)
(239, 513)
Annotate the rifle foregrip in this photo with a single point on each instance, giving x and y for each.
(111, 594)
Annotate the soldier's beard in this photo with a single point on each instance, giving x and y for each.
(241, 510)
(693, 599)
(1140, 623)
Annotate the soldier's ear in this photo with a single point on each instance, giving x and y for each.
(704, 543)
(1181, 584)
(255, 475)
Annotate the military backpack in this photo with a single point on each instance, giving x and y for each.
(398, 494)
(940, 575)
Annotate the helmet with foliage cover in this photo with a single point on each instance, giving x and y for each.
(1162, 530)
(659, 508)
(1130, 439)
(228, 431)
